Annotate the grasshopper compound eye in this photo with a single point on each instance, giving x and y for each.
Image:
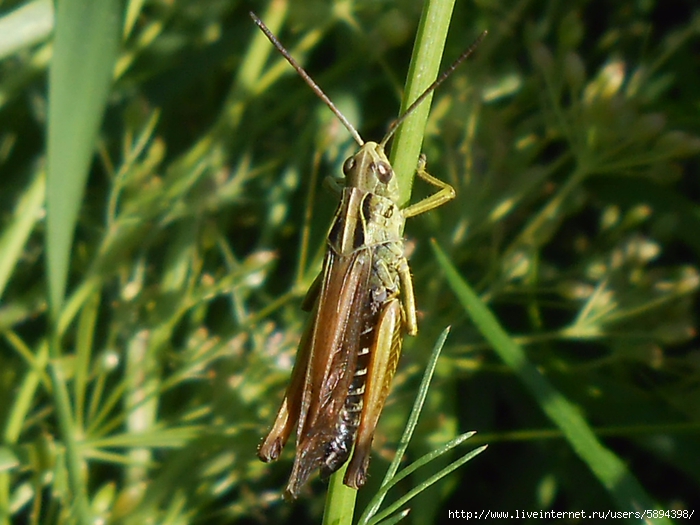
(383, 171)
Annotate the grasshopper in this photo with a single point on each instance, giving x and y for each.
(362, 303)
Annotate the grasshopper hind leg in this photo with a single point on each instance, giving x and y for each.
(384, 357)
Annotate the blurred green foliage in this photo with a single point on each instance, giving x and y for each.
(572, 141)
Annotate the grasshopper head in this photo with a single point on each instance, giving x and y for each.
(369, 170)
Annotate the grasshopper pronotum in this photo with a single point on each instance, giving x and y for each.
(362, 303)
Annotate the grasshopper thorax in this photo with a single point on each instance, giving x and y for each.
(369, 170)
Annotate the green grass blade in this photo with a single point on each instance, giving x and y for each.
(605, 465)
(85, 50)
(14, 237)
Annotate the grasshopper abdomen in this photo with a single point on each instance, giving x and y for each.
(341, 445)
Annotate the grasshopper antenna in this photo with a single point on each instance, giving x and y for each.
(443, 76)
(303, 74)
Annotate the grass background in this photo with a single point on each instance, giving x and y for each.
(141, 365)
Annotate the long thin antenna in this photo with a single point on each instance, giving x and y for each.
(303, 74)
(443, 76)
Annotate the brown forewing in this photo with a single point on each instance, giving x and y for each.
(334, 345)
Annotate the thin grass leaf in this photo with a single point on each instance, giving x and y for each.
(413, 417)
(157, 437)
(427, 483)
(87, 326)
(427, 458)
(410, 469)
(610, 470)
(25, 26)
(14, 237)
(396, 518)
(24, 396)
(411, 424)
